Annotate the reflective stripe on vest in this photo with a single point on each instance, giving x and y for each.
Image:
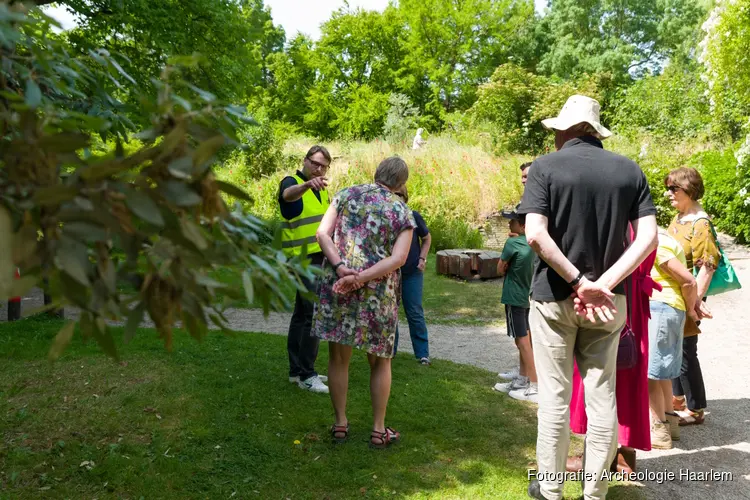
(300, 231)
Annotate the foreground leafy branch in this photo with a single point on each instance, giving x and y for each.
(120, 234)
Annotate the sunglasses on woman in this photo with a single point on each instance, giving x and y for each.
(673, 189)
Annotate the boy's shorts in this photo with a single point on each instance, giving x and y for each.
(517, 319)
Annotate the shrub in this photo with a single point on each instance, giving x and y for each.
(726, 192)
(514, 102)
(672, 104)
(401, 119)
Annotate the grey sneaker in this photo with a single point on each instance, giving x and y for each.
(313, 384)
(516, 383)
(530, 393)
(424, 361)
(510, 374)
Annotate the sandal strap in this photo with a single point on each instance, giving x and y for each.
(340, 429)
(389, 435)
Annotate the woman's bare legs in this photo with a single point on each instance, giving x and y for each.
(380, 389)
(338, 378)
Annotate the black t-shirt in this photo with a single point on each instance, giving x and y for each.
(292, 209)
(589, 196)
(420, 232)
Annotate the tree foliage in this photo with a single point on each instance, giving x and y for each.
(615, 37)
(234, 38)
(120, 233)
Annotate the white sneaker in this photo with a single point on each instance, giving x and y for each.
(313, 384)
(530, 393)
(516, 383)
(510, 374)
(295, 380)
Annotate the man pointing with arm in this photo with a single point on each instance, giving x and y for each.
(303, 199)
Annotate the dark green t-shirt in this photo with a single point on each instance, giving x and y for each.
(517, 284)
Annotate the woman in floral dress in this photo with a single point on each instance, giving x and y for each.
(365, 236)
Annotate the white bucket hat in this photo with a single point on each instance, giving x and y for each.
(578, 109)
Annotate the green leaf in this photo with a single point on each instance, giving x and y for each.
(62, 340)
(85, 231)
(247, 283)
(233, 190)
(73, 260)
(55, 195)
(135, 318)
(181, 168)
(143, 207)
(193, 232)
(108, 274)
(64, 142)
(33, 94)
(195, 327)
(103, 336)
(207, 149)
(180, 194)
(265, 266)
(203, 94)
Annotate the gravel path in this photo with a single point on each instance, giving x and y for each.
(722, 444)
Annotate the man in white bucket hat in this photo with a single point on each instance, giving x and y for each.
(578, 203)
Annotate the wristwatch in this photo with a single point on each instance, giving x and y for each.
(341, 263)
(577, 280)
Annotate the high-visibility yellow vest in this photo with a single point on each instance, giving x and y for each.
(300, 231)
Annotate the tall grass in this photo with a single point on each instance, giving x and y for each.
(454, 186)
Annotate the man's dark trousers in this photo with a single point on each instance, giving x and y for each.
(301, 346)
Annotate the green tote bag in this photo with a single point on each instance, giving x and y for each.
(724, 279)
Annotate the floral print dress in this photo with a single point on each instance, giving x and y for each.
(370, 218)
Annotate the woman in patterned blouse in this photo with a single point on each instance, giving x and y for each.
(365, 236)
(692, 228)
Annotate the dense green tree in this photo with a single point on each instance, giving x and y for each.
(233, 37)
(293, 73)
(453, 45)
(622, 38)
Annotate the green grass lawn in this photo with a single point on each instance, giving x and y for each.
(446, 300)
(220, 420)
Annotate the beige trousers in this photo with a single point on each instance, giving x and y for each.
(560, 336)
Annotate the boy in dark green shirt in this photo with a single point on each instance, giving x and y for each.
(517, 265)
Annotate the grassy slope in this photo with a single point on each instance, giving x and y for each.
(453, 185)
(220, 419)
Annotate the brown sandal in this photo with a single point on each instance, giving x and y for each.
(340, 433)
(382, 440)
(693, 418)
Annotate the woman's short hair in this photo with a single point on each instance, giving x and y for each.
(687, 179)
(318, 149)
(392, 172)
(526, 165)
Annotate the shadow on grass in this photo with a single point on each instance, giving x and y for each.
(219, 418)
